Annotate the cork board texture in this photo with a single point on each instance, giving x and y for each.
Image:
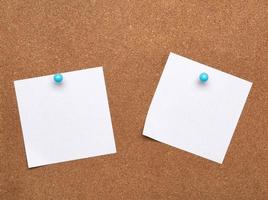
(132, 39)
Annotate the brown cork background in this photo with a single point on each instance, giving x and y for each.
(132, 39)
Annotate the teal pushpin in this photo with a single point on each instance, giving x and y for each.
(203, 77)
(58, 78)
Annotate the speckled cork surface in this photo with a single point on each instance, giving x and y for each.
(132, 39)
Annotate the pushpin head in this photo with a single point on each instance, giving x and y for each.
(203, 77)
(58, 78)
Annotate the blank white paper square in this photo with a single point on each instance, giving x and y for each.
(195, 117)
(67, 121)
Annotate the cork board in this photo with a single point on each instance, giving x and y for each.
(132, 39)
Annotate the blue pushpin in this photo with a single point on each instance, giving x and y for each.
(58, 78)
(203, 77)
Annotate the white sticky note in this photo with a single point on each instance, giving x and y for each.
(67, 121)
(198, 118)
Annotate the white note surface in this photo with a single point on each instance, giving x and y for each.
(68, 121)
(195, 117)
